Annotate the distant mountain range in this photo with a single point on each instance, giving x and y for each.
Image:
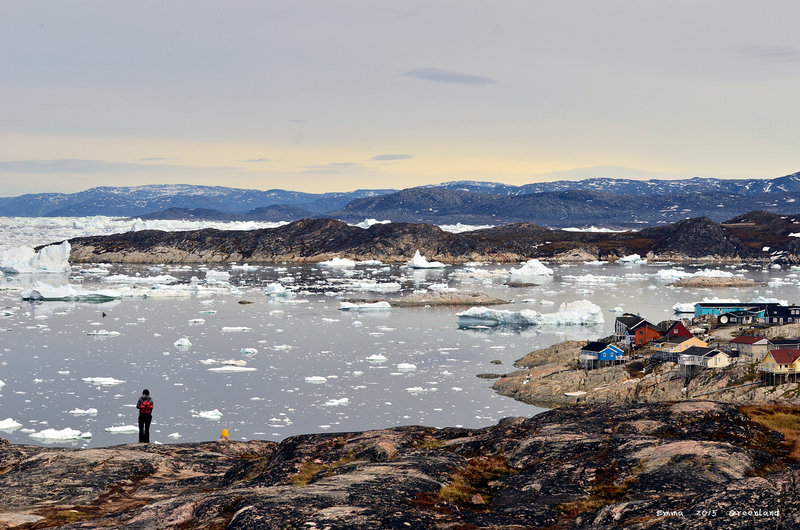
(597, 201)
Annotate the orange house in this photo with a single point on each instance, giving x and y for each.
(644, 333)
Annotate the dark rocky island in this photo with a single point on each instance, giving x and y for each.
(744, 238)
(690, 464)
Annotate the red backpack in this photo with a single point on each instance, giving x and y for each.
(146, 407)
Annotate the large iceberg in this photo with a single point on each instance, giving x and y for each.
(578, 313)
(25, 260)
(46, 292)
(337, 263)
(420, 262)
(529, 269)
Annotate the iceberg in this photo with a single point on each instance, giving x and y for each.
(235, 329)
(9, 424)
(217, 277)
(182, 342)
(687, 307)
(102, 381)
(420, 262)
(632, 258)
(366, 223)
(529, 269)
(231, 369)
(82, 412)
(207, 414)
(316, 379)
(578, 313)
(337, 263)
(60, 436)
(123, 429)
(375, 306)
(53, 259)
(276, 289)
(103, 333)
(376, 358)
(406, 367)
(341, 402)
(41, 291)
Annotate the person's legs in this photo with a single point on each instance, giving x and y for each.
(147, 420)
(141, 428)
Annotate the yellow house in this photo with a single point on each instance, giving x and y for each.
(673, 344)
(780, 365)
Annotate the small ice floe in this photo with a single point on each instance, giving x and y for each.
(461, 227)
(282, 347)
(420, 262)
(83, 412)
(54, 435)
(235, 329)
(102, 381)
(249, 351)
(217, 277)
(9, 424)
(141, 280)
(244, 267)
(578, 313)
(416, 390)
(174, 435)
(52, 259)
(337, 263)
(632, 258)
(103, 333)
(316, 380)
(672, 275)
(182, 342)
(341, 402)
(406, 367)
(687, 307)
(276, 290)
(41, 291)
(376, 358)
(374, 306)
(596, 262)
(372, 286)
(2, 383)
(207, 414)
(231, 369)
(122, 429)
(196, 321)
(529, 271)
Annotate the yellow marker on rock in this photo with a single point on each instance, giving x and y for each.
(224, 434)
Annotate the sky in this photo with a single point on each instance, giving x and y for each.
(324, 96)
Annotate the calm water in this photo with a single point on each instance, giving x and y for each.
(312, 371)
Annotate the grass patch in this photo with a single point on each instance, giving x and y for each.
(782, 418)
(474, 479)
(310, 469)
(428, 443)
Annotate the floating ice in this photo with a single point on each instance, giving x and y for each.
(103, 333)
(174, 435)
(82, 412)
(376, 358)
(249, 351)
(374, 306)
(123, 429)
(2, 384)
(420, 262)
(46, 292)
(53, 259)
(341, 402)
(338, 263)
(406, 367)
(207, 414)
(460, 227)
(235, 329)
(528, 269)
(217, 277)
(9, 424)
(375, 287)
(231, 369)
(680, 307)
(578, 313)
(62, 435)
(632, 258)
(102, 381)
(182, 342)
(316, 379)
(671, 275)
(276, 289)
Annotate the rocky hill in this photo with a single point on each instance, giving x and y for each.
(274, 213)
(691, 464)
(312, 240)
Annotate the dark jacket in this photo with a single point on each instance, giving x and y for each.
(143, 398)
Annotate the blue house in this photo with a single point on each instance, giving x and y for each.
(597, 354)
(719, 308)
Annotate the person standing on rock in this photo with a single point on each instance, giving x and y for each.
(145, 406)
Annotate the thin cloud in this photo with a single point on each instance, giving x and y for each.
(253, 160)
(391, 157)
(446, 76)
(778, 54)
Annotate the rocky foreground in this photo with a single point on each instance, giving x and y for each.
(692, 464)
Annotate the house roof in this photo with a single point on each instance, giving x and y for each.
(642, 324)
(595, 347)
(786, 343)
(785, 356)
(700, 351)
(675, 339)
(629, 320)
(747, 339)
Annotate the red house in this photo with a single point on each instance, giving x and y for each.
(644, 333)
(674, 329)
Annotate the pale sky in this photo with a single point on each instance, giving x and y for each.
(338, 95)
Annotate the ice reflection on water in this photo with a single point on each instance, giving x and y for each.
(312, 369)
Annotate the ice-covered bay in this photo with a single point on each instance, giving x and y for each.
(298, 363)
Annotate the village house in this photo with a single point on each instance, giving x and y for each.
(776, 315)
(748, 345)
(697, 358)
(670, 328)
(780, 366)
(644, 332)
(740, 318)
(597, 354)
(667, 349)
(784, 344)
(625, 325)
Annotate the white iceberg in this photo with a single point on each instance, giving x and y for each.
(376, 358)
(102, 381)
(680, 307)
(217, 277)
(9, 424)
(53, 259)
(374, 306)
(406, 367)
(235, 329)
(83, 412)
(60, 435)
(276, 289)
(420, 262)
(530, 268)
(366, 223)
(316, 380)
(207, 414)
(632, 258)
(341, 402)
(337, 263)
(182, 342)
(249, 351)
(231, 369)
(41, 291)
(103, 333)
(578, 313)
(123, 429)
